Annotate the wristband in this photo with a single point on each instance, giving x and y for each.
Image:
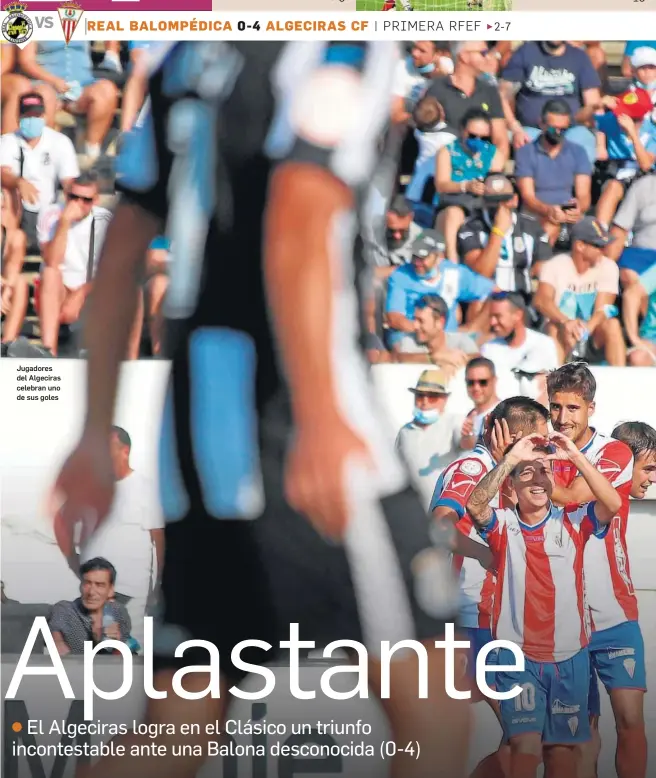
(497, 231)
(463, 187)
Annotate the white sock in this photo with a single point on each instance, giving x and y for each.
(113, 60)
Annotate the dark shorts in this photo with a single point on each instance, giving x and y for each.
(637, 259)
(28, 224)
(229, 578)
(468, 202)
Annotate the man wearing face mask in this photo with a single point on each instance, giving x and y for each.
(502, 244)
(34, 161)
(426, 60)
(554, 175)
(431, 441)
(540, 71)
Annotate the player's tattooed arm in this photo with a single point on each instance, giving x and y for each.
(478, 504)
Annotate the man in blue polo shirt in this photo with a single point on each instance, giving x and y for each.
(643, 340)
(427, 273)
(554, 175)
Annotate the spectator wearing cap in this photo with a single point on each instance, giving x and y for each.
(67, 68)
(430, 273)
(643, 69)
(430, 344)
(626, 138)
(34, 161)
(635, 222)
(636, 57)
(577, 294)
(467, 88)
(639, 297)
(537, 73)
(426, 60)
(513, 344)
(460, 170)
(15, 84)
(553, 174)
(502, 244)
(481, 381)
(431, 441)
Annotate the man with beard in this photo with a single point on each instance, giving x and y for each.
(398, 234)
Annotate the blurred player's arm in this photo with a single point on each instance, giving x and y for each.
(461, 543)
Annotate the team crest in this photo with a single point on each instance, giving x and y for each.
(629, 666)
(70, 14)
(573, 724)
(519, 244)
(17, 27)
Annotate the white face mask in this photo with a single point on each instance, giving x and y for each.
(426, 417)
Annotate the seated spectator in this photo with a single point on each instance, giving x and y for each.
(431, 441)
(430, 273)
(643, 70)
(426, 60)
(553, 174)
(638, 298)
(626, 138)
(14, 85)
(467, 88)
(74, 623)
(577, 295)
(532, 378)
(481, 380)
(537, 73)
(514, 345)
(34, 161)
(631, 57)
(399, 232)
(71, 237)
(635, 219)
(502, 244)
(460, 170)
(157, 280)
(15, 289)
(449, 351)
(431, 135)
(67, 68)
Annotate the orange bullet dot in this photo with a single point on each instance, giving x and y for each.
(17, 726)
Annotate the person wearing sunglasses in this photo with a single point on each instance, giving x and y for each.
(460, 170)
(481, 380)
(67, 235)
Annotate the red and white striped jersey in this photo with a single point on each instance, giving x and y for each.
(539, 599)
(452, 490)
(610, 595)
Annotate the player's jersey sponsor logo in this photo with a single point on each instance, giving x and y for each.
(560, 707)
(617, 653)
(630, 666)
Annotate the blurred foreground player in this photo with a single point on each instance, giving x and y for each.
(201, 162)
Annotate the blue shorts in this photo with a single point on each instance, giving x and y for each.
(617, 658)
(479, 637)
(634, 258)
(553, 702)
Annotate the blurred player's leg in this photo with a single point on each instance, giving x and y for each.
(631, 755)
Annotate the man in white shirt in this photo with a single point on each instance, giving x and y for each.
(71, 237)
(431, 441)
(481, 380)
(514, 345)
(34, 160)
(426, 60)
(131, 537)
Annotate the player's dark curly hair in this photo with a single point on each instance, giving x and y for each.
(574, 377)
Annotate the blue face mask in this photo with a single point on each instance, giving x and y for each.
(650, 87)
(476, 145)
(430, 275)
(425, 417)
(31, 127)
(426, 69)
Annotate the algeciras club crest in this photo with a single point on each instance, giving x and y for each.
(69, 15)
(17, 26)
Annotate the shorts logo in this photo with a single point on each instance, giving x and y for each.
(573, 724)
(559, 707)
(471, 467)
(629, 666)
(621, 652)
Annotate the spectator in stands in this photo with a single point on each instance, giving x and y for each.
(577, 295)
(537, 73)
(626, 137)
(597, 55)
(15, 289)
(640, 298)
(636, 217)
(466, 89)
(74, 623)
(460, 170)
(157, 281)
(449, 351)
(431, 441)
(15, 84)
(427, 60)
(553, 174)
(502, 244)
(481, 380)
(68, 69)
(532, 378)
(628, 62)
(400, 232)
(430, 273)
(71, 237)
(34, 161)
(515, 345)
(643, 69)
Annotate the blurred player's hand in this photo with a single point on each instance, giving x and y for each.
(316, 477)
(85, 484)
